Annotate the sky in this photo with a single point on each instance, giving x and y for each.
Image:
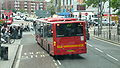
(47, 0)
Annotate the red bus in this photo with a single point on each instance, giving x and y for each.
(62, 36)
(6, 15)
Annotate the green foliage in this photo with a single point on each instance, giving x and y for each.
(118, 13)
(94, 3)
(115, 4)
(51, 7)
(2, 21)
(22, 10)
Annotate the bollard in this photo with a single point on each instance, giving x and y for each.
(4, 53)
(114, 37)
(118, 38)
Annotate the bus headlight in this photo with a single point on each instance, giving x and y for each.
(82, 38)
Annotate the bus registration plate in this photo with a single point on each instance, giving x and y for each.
(70, 50)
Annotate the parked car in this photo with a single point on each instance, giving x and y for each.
(106, 22)
(17, 17)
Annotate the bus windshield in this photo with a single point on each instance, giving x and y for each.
(69, 29)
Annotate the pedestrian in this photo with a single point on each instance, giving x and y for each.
(20, 32)
(15, 32)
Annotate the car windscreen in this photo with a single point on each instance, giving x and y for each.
(69, 29)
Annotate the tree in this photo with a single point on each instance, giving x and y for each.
(22, 10)
(51, 7)
(95, 3)
(115, 4)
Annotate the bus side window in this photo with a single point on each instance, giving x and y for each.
(41, 29)
(45, 30)
(2, 16)
(7, 17)
(49, 30)
(49, 33)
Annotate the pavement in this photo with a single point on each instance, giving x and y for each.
(12, 52)
(105, 35)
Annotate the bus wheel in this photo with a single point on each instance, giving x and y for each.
(48, 49)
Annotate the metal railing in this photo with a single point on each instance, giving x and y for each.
(105, 35)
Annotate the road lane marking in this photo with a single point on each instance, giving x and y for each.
(43, 55)
(112, 57)
(53, 60)
(31, 53)
(19, 56)
(98, 50)
(31, 56)
(26, 57)
(89, 45)
(37, 52)
(59, 62)
(25, 53)
(108, 42)
(36, 56)
(56, 64)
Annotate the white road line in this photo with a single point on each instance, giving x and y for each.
(98, 50)
(53, 60)
(19, 56)
(36, 56)
(22, 56)
(108, 42)
(43, 55)
(89, 45)
(112, 57)
(26, 57)
(31, 56)
(25, 53)
(31, 53)
(59, 62)
(57, 67)
(56, 64)
(37, 52)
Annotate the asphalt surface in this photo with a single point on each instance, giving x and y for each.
(33, 56)
(100, 54)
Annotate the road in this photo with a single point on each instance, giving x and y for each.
(100, 54)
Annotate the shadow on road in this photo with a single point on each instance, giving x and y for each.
(66, 57)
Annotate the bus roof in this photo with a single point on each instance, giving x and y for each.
(59, 19)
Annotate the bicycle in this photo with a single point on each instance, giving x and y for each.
(7, 39)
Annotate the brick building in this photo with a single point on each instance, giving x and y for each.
(28, 6)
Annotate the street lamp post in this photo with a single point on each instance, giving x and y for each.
(109, 20)
(0, 40)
